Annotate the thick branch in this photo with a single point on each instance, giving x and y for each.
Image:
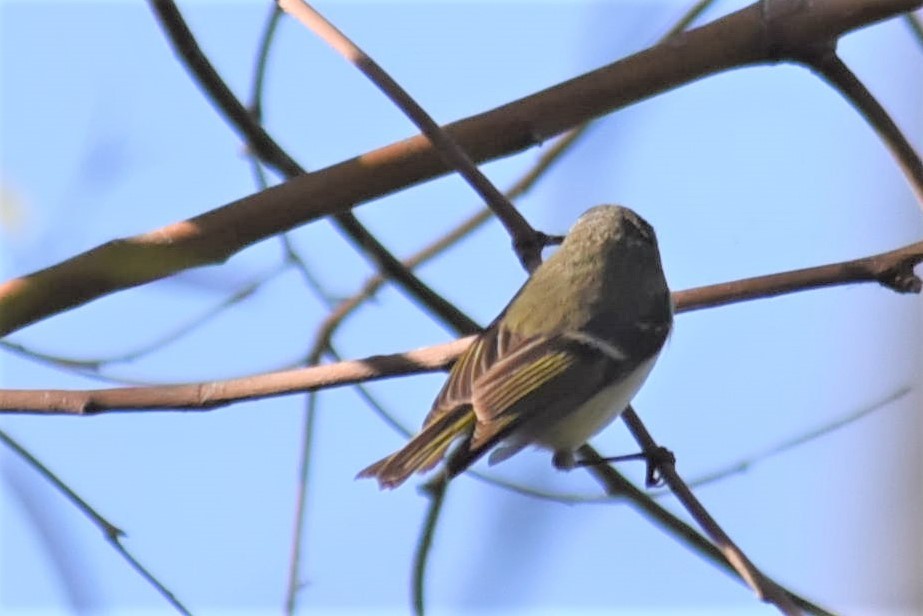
(738, 39)
(892, 269)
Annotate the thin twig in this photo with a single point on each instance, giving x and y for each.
(304, 458)
(75, 367)
(259, 81)
(291, 256)
(617, 486)
(262, 61)
(82, 366)
(764, 587)
(435, 491)
(829, 66)
(745, 464)
(112, 533)
(527, 242)
(293, 585)
(301, 497)
(269, 151)
(691, 14)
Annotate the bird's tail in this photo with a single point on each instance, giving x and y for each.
(424, 451)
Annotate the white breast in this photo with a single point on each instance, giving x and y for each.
(577, 427)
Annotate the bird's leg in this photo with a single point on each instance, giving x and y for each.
(654, 458)
(564, 460)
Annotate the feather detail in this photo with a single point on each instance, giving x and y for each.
(493, 344)
(424, 451)
(526, 393)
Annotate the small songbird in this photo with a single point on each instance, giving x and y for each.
(563, 359)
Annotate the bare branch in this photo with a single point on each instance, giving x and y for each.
(112, 533)
(293, 584)
(691, 14)
(617, 486)
(829, 66)
(745, 464)
(527, 242)
(262, 59)
(473, 222)
(435, 491)
(304, 457)
(765, 588)
(84, 366)
(209, 395)
(466, 227)
(261, 143)
(735, 40)
(893, 269)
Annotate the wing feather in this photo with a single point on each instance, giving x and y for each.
(504, 383)
(530, 389)
(424, 451)
(486, 350)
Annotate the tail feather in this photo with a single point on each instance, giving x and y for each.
(424, 451)
(485, 436)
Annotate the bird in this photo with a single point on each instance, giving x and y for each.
(563, 359)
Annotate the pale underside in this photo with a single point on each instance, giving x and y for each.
(575, 428)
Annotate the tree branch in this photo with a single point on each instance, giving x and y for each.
(525, 182)
(265, 147)
(892, 269)
(743, 465)
(527, 242)
(617, 486)
(829, 66)
(112, 533)
(765, 588)
(739, 39)
(209, 395)
(435, 490)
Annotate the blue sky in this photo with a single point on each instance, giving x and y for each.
(745, 173)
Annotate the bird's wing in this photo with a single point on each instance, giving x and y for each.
(494, 343)
(540, 381)
(451, 416)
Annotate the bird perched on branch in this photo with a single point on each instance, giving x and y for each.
(563, 359)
